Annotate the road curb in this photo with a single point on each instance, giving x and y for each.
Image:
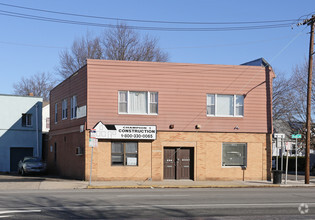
(181, 186)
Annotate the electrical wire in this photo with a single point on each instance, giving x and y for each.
(146, 21)
(74, 22)
(41, 18)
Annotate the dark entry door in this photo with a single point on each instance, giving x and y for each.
(169, 163)
(183, 163)
(178, 163)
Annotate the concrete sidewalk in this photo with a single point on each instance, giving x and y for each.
(14, 182)
(195, 184)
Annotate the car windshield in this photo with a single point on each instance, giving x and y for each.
(33, 159)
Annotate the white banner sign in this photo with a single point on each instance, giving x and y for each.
(137, 132)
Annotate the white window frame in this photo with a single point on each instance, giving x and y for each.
(56, 113)
(216, 105)
(148, 102)
(74, 106)
(64, 109)
(245, 156)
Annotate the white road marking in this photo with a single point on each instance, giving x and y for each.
(18, 211)
(6, 216)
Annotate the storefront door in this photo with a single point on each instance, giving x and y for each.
(178, 163)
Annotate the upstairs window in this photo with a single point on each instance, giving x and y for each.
(225, 105)
(26, 120)
(64, 109)
(134, 102)
(56, 113)
(74, 107)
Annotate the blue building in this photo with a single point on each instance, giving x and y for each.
(20, 129)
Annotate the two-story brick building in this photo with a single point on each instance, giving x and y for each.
(163, 121)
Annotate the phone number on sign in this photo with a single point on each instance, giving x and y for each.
(139, 136)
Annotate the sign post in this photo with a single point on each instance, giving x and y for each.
(287, 164)
(296, 136)
(280, 138)
(92, 143)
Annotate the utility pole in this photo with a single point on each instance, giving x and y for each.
(310, 22)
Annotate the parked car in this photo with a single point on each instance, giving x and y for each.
(31, 165)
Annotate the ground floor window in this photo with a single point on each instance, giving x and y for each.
(234, 154)
(124, 154)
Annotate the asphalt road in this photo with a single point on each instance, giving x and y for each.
(246, 203)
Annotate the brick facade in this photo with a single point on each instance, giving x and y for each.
(182, 103)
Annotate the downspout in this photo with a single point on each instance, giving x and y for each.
(37, 144)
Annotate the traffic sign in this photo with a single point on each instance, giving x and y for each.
(296, 136)
(277, 135)
(93, 142)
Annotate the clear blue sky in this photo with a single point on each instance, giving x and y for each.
(32, 46)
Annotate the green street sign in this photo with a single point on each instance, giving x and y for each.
(296, 136)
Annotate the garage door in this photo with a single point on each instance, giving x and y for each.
(17, 154)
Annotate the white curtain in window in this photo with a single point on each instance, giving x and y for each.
(225, 105)
(153, 102)
(210, 104)
(239, 108)
(138, 102)
(122, 102)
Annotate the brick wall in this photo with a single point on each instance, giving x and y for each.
(207, 157)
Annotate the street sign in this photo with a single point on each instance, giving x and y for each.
(296, 136)
(278, 135)
(93, 142)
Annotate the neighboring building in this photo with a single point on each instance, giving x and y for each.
(45, 129)
(20, 129)
(46, 117)
(162, 121)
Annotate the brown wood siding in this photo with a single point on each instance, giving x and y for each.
(182, 92)
(74, 85)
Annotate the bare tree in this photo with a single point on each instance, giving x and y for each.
(39, 84)
(280, 99)
(289, 99)
(289, 95)
(298, 93)
(122, 43)
(81, 49)
(119, 43)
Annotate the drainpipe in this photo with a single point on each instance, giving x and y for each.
(37, 144)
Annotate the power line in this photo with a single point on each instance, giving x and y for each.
(48, 19)
(147, 21)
